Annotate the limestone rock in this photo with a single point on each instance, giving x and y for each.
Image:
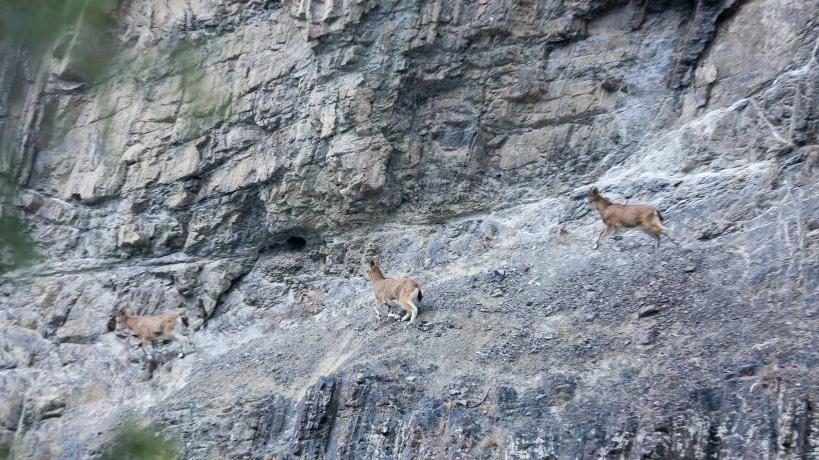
(234, 158)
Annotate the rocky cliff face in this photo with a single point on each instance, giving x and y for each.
(240, 161)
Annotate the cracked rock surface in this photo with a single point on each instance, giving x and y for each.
(457, 141)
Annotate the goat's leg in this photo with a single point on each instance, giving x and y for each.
(603, 232)
(378, 313)
(412, 311)
(406, 306)
(183, 341)
(656, 240)
(666, 233)
(144, 345)
(390, 314)
(190, 341)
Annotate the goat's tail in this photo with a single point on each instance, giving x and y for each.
(662, 219)
(420, 295)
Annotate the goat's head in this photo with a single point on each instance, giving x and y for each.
(121, 317)
(375, 267)
(593, 195)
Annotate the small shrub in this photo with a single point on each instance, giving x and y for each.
(135, 442)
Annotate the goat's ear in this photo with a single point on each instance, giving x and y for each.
(373, 263)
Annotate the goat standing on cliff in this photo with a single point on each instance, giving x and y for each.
(617, 216)
(394, 290)
(150, 328)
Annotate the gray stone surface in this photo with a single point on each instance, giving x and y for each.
(240, 161)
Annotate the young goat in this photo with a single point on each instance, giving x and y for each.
(150, 328)
(617, 216)
(394, 290)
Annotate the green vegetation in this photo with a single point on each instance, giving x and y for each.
(132, 442)
(77, 40)
(74, 31)
(16, 245)
(71, 29)
(136, 442)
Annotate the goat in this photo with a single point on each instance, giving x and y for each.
(311, 301)
(150, 328)
(617, 216)
(394, 290)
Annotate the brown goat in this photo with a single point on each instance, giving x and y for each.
(150, 328)
(617, 216)
(394, 290)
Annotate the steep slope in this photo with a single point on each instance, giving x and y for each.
(235, 154)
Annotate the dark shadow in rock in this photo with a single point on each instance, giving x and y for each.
(295, 243)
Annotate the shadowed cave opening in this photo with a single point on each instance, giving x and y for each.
(295, 243)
